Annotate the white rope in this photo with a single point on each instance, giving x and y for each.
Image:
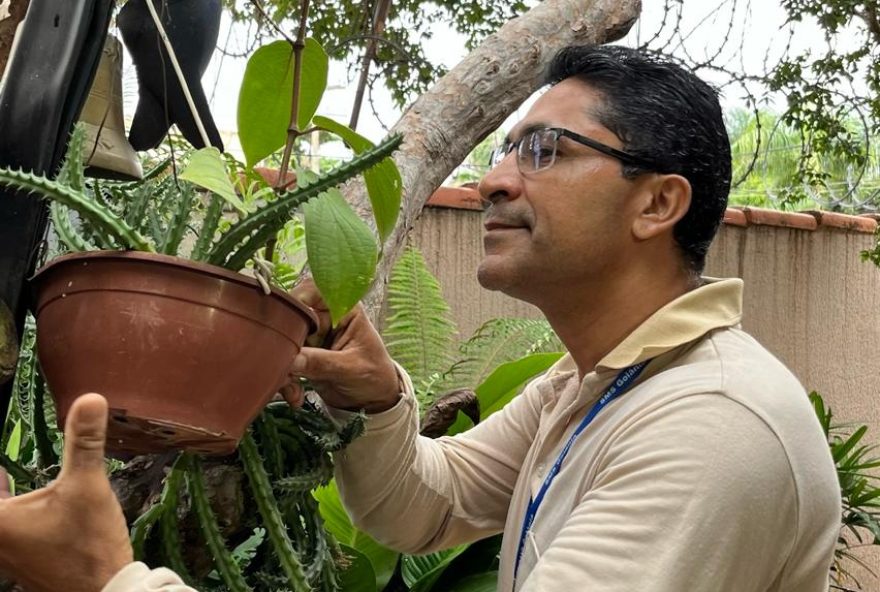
(178, 71)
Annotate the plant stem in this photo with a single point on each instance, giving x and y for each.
(293, 128)
(378, 29)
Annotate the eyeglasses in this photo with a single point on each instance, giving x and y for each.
(536, 150)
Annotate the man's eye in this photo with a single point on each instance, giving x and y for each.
(544, 152)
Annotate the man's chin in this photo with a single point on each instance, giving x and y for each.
(493, 276)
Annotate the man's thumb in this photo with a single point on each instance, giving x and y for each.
(85, 433)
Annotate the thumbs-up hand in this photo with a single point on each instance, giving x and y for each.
(72, 534)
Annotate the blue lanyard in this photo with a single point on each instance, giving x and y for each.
(618, 387)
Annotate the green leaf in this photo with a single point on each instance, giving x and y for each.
(508, 379)
(342, 252)
(207, 169)
(382, 559)
(359, 575)
(484, 582)
(13, 446)
(264, 101)
(419, 331)
(420, 572)
(462, 424)
(384, 184)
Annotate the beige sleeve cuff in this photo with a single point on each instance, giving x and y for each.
(137, 577)
(381, 420)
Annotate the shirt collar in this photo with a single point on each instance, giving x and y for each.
(715, 304)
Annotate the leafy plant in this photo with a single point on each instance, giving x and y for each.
(217, 211)
(856, 464)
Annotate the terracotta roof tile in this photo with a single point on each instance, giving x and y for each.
(467, 198)
(735, 217)
(844, 221)
(462, 198)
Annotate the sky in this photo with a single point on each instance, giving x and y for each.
(761, 24)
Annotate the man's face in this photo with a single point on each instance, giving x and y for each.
(553, 231)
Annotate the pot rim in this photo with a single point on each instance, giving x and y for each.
(180, 262)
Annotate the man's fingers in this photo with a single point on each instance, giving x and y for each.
(319, 364)
(293, 394)
(84, 435)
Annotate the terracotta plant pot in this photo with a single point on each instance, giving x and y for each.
(187, 354)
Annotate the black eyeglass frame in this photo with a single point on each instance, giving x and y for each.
(624, 157)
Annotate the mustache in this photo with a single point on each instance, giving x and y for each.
(495, 216)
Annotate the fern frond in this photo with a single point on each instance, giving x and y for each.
(419, 330)
(259, 226)
(98, 215)
(496, 342)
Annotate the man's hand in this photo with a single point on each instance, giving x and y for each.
(70, 535)
(349, 366)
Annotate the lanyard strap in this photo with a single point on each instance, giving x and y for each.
(619, 386)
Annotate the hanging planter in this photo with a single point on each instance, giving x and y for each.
(186, 353)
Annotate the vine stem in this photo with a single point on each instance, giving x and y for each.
(293, 128)
(293, 131)
(378, 29)
(173, 56)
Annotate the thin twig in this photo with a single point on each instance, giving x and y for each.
(293, 127)
(378, 29)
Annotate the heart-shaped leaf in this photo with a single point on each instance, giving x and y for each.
(264, 101)
(342, 252)
(384, 184)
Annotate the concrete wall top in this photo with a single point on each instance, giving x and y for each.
(467, 198)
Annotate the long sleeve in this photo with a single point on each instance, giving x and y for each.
(697, 495)
(137, 577)
(416, 494)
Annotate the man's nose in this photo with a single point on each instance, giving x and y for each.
(503, 181)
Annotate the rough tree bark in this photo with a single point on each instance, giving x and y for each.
(475, 97)
(11, 13)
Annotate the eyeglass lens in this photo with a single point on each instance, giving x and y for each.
(535, 151)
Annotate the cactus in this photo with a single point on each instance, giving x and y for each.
(177, 226)
(269, 219)
(71, 172)
(226, 565)
(171, 548)
(69, 235)
(268, 508)
(209, 228)
(101, 217)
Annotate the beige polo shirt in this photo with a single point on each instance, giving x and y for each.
(710, 474)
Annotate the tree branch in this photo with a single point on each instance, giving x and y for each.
(473, 99)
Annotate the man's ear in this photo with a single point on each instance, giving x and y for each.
(664, 200)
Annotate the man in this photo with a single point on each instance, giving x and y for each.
(667, 451)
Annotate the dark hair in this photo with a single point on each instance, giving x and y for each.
(663, 113)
